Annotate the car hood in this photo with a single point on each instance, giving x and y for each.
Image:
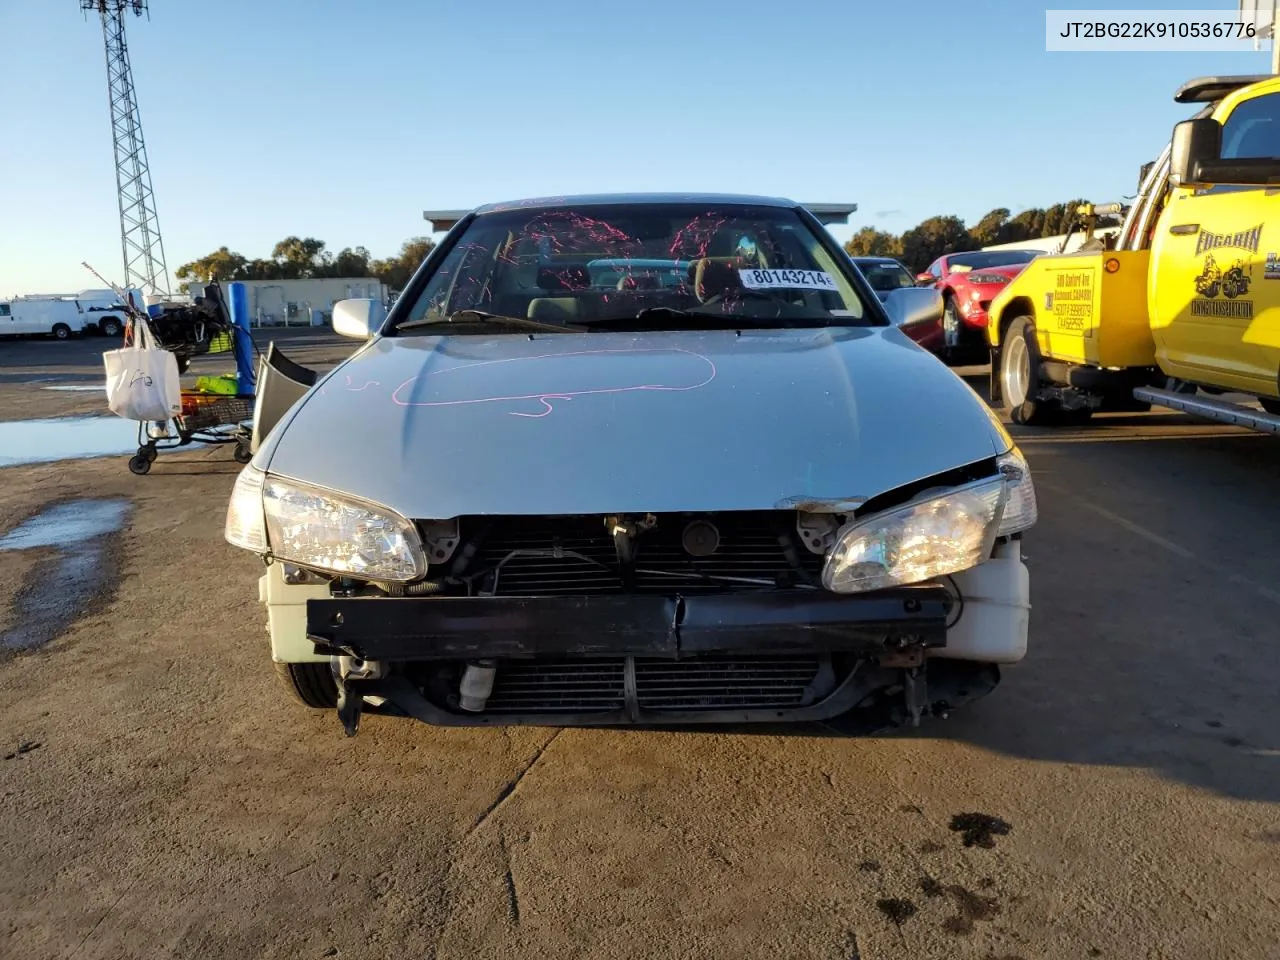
(1008, 270)
(438, 427)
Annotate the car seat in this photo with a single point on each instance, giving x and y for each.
(570, 276)
(643, 282)
(716, 278)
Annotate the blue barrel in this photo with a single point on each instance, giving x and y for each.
(238, 304)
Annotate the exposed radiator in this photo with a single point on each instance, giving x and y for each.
(705, 683)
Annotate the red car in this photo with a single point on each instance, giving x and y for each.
(969, 282)
(885, 275)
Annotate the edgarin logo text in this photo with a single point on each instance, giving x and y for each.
(1243, 240)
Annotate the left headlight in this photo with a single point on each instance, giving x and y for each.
(319, 529)
(932, 537)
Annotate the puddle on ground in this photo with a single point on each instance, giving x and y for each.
(65, 438)
(64, 524)
(59, 589)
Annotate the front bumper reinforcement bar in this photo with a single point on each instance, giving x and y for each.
(778, 621)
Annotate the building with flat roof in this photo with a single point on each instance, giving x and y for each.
(274, 303)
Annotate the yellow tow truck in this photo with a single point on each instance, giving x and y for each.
(1181, 309)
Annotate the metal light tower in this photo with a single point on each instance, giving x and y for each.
(144, 264)
(1265, 16)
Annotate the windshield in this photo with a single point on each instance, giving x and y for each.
(991, 258)
(885, 275)
(678, 265)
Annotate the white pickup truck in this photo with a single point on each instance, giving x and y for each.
(89, 311)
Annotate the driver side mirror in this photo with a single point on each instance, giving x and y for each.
(913, 306)
(357, 319)
(1194, 142)
(925, 279)
(1195, 159)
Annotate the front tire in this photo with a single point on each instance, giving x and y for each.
(110, 327)
(950, 330)
(1020, 367)
(311, 684)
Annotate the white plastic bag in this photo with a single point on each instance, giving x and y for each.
(142, 380)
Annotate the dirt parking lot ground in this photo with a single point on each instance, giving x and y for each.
(159, 796)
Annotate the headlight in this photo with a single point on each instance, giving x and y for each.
(932, 537)
(319, 529)
(246, 526)
(1020, 511)
(987, 278)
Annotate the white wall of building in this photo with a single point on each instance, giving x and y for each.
(291, 302)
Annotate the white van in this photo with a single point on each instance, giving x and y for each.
(33, 316)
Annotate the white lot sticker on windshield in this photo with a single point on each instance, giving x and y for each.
(793, 279)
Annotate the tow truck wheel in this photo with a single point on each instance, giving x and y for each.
(311, 684)
(1020, 373)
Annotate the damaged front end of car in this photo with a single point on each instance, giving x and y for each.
(847, 611)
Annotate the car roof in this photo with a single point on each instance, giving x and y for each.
(826, 213)
(594, 199)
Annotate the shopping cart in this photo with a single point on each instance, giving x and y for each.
(206, 417)
(209, 418)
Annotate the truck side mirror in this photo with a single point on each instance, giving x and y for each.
(1195, 159)
(1194, 142)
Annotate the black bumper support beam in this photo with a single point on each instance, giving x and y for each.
(779, 621)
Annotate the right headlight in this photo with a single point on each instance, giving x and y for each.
(322, 530)
(935, 536)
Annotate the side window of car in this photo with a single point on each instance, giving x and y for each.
(1253, 129)
(936, 269)
(4, 310)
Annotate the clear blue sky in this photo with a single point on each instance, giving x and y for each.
(343, 121)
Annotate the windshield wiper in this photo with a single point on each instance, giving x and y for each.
(668, 312)
(481, 317)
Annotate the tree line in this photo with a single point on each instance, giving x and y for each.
(925, 242)
(306, 258)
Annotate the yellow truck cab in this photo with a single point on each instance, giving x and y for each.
(1186, 305)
